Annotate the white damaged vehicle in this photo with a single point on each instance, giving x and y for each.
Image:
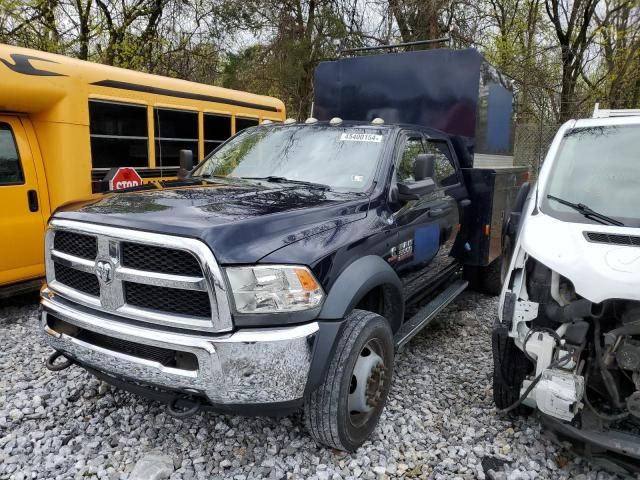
(567, 342)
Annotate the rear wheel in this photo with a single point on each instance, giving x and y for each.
(345, 409)
(510, 368)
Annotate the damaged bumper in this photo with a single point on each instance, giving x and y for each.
(616, 448)
(251, 366)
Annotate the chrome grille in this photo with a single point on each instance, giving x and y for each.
(126, 276)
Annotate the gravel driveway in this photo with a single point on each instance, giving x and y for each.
(439, 423)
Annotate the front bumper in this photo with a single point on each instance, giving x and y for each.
(250, 366)
(612, 447)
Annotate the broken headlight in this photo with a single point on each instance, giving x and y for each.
(274, 288)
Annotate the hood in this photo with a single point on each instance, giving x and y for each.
(240, 223)
(598, 271)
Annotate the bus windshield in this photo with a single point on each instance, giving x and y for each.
(344, 159)
(597, 168)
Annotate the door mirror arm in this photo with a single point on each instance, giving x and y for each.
(415, 190)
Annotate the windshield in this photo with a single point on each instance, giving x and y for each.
(341, 158)
(598, 167)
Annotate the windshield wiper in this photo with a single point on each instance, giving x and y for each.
(587, 211)
(276, 179)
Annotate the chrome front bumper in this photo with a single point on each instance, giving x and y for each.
(251, 366)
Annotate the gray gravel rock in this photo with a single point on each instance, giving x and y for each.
(153, 466)
(440, 422)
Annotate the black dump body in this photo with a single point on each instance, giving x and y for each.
(455, 91)
(493, 191)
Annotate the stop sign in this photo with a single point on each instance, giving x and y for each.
(124, 177)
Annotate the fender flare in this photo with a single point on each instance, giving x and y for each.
(355, 281)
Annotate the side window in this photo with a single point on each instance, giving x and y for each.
(217, 129)
(119, 135)
(412, 148)
(445, 172)
(242, 123)
(10, 169)
(175, 130)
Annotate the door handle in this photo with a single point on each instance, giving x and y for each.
(32, 197)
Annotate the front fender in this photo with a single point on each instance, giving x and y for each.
(355, 281)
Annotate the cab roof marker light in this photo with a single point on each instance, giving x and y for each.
(290, 121)
(335, 121)
(311, 121)
(377, 121)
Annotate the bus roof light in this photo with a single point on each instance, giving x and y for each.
(311, 121)
(266, 122)
(290, 121)
(335, 121)
(377, 121)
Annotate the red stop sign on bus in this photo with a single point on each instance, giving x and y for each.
(124, 177)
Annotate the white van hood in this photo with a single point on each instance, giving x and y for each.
(598, 271)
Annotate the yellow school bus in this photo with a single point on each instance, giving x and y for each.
(65, 123)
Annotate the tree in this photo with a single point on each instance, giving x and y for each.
(619, 36)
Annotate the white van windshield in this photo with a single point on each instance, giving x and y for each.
(597, 167)
(343, 159)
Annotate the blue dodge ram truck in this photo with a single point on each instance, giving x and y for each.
(277, 274)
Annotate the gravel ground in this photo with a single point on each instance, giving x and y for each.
(439, 423)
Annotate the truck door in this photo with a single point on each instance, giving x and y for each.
(426, 226)
(21, 221)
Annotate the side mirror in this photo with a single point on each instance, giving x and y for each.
(424, 167)
(186, 163)
(415, 190)
(186, 159)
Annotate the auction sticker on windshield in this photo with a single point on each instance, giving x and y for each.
(360, 137)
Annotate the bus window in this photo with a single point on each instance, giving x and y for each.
(175, 130)
(119, 135)
(10, 169)
(217, 129)
(242, 123)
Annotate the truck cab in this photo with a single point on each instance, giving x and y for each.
(278, 274)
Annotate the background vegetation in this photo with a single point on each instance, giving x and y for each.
(564, 55)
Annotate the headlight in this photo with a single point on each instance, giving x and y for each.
(274, 288)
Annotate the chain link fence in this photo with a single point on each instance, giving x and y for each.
(531, 142)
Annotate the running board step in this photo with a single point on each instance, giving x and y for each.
(426, 314)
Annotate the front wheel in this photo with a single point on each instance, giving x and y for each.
(344, 410)
(510, 369)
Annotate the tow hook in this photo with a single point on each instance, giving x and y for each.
(57, 367)
(184, 412)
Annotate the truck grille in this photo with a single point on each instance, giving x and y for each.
(160, 282)
(184, 302)
(83, 246)
(83, 281)
(159, 259)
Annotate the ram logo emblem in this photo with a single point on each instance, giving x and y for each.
(104, 271)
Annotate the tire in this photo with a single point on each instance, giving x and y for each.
(510, 368)
(328, 415)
